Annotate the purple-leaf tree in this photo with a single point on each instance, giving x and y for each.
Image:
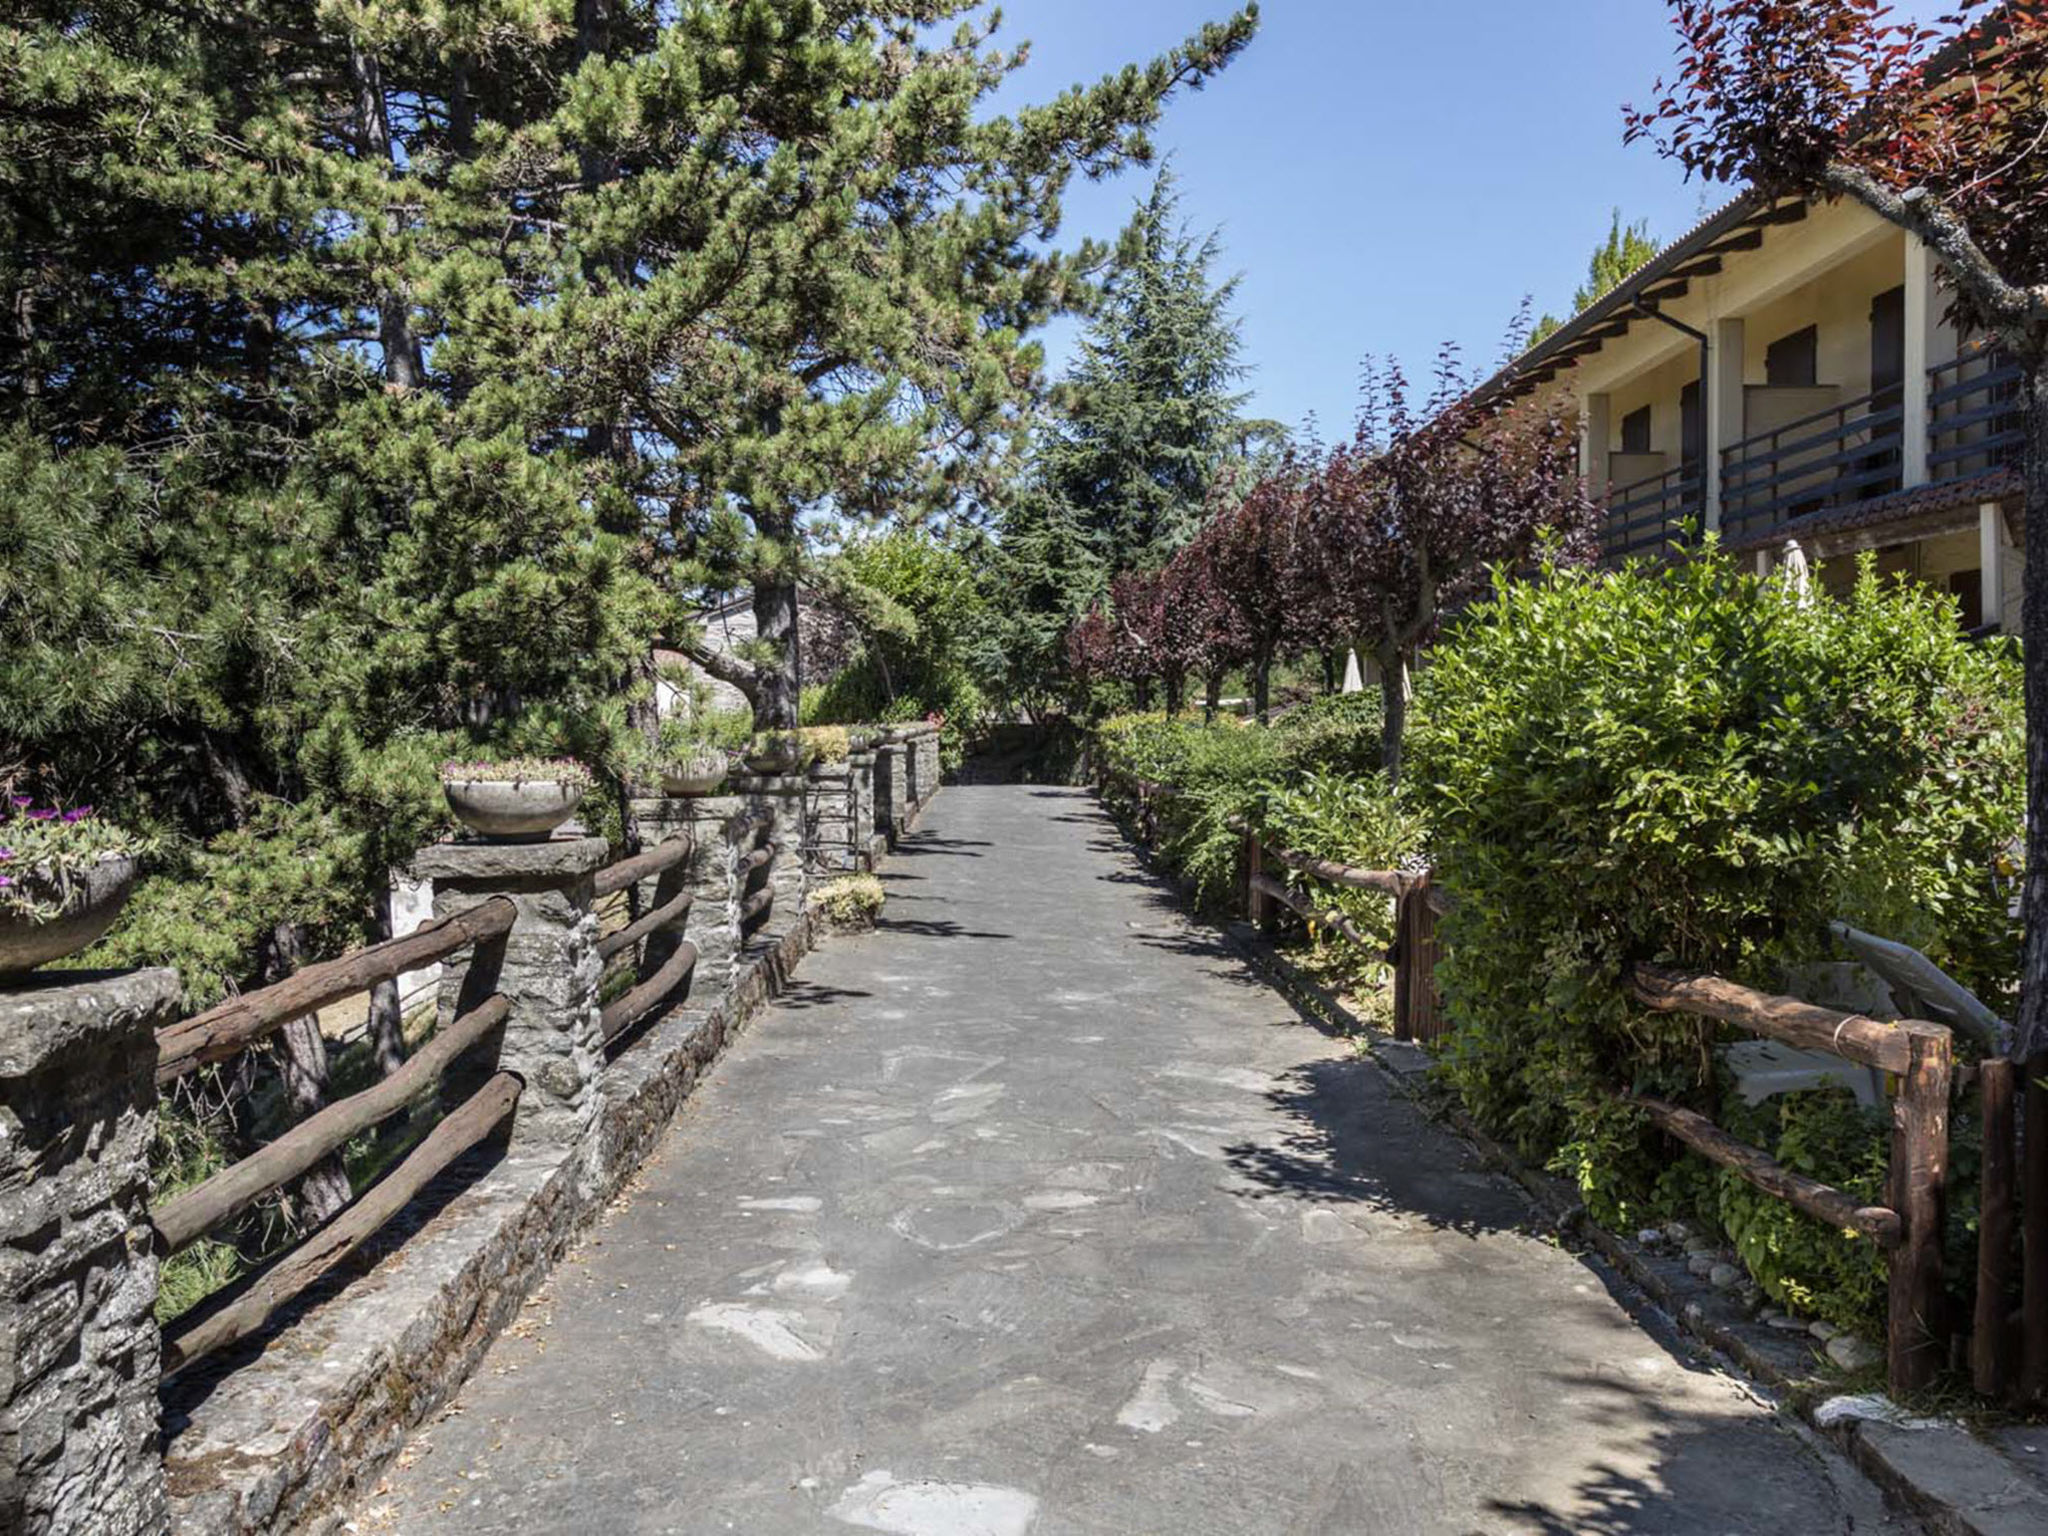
(1408, 518)
(1255, 556)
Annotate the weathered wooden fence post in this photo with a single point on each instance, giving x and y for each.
(1257, 905)
(547, 966)
(79, 1347)
(2034, 1230)
(1989, 1336)
(1917, 1332)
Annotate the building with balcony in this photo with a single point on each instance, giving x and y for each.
(1785, 375)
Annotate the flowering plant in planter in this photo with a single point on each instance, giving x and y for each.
(45, 852)
(565, 771)
(519, 799)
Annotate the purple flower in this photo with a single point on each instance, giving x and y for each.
(6, 881)
(78, 815)
(47, 813)
(22, 802)
(6, 854)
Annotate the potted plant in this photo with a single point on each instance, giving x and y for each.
(686, 763)
(521, 799)
(773, 752)
(64, 877)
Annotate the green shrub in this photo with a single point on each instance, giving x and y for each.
(1336, 734)
(1691, 766)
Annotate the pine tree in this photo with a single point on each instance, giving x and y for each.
(1627, 247)
(1147, 415)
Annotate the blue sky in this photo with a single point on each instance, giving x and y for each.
(1386, 174)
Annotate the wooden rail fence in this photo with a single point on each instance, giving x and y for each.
(1921, 1056)
(218, 1034)
(2008, 1355)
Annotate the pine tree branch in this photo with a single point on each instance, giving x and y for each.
(721, 665)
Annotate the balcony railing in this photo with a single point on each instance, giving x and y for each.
(1973, 409)
(1847, 453)
(1648, 517)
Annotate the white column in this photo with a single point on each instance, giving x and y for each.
(1992, 553)
(1595, 437)
(1722, 395)
(1920, 311)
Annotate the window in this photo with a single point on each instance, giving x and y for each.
(1792, 361)
(1635, 431)
(1692, 428)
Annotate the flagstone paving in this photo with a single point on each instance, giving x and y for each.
(1034, 1211)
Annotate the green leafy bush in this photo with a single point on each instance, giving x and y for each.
(1693, 766)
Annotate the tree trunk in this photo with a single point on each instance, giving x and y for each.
(1262, 679)
(302, 1063)
(1176, 694)
(373, 142)
(2031, 1033)
(387, 1016)
(1143, 688)
(1212, 696)
(775, 599)
(1333, 670)
(1393, 712)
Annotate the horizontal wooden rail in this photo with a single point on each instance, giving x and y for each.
(1288, 896)
(622, 1014)
(1885, 1044)
(1388, 882)
(756, 859)
(672, 911)
(197, 1211)
(1823, 1202)
(616, 877)
(459, 1132)
(757, 903)
(239, 1023)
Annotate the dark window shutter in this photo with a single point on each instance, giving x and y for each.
(1635, 431)
(1792, 361)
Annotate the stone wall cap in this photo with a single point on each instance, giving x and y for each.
(46, 1014)
(563, 857)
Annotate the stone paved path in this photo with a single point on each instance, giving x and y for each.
(1035, 1212)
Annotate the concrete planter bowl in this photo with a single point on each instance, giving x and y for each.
(93, 899)
(512, 810)
(697, 774)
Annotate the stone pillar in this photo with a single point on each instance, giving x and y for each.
(782, 799)
(892, 789)
(828, 829)
(928, 765)
(861, 771)
(78, 1273)
(715, 823)
(662, 817)
(547, 965)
